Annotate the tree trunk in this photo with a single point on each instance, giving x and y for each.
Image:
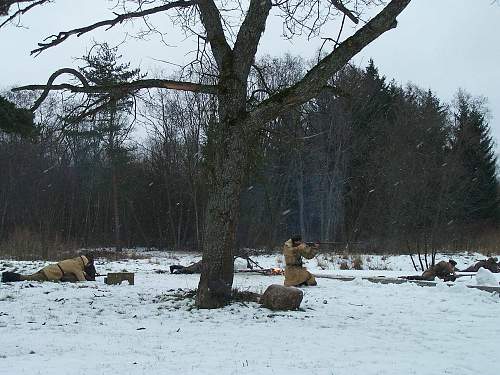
(116, 209)
(214, 289)
(299, 183)
(230, 140)
(171, 220)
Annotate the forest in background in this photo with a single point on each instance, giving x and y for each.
(368, 164)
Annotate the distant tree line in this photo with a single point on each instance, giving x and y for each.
(367, 162)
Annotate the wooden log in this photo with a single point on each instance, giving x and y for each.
(335, 277)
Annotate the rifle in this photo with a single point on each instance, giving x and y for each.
(328, 243)
(465, 274)
(263, 271)
(250, 262)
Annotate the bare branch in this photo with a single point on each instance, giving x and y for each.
(338, 4)
(54, 40)
(262, 78)
(310, 86)
(249, 35)
(88, 110)
(211, 19)
(20, 11)
(51, 80)
(6, 4)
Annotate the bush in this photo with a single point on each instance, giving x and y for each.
(344, 266)
(24, 244)
(357, 263)
(113, 255)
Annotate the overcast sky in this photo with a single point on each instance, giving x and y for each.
(438, 44)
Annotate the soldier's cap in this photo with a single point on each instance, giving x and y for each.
(90, 257)
(296, 238)
(452, 262)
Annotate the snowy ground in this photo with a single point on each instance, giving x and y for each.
(343, 328)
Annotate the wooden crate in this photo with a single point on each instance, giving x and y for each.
(117, 278)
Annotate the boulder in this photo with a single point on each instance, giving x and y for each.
(279, 297)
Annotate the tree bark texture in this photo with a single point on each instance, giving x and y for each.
(228, 156)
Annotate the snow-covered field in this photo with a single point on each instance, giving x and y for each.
(352, 327)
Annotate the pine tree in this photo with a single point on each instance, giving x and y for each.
(14, 119)
(371, 123)
(111, 126)
(476, 193)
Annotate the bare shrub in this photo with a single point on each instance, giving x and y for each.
(190, 294)
(379, 267)
(244, 296)
(24, 244)
(357, 263)
(113, 255)
(344, 266)
(487, 243)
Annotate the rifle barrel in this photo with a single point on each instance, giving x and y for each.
(329, 243)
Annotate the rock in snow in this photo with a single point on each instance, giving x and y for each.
(279, 297)
(486, 277)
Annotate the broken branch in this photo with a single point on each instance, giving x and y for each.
(121, 89)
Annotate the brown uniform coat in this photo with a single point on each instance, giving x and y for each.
(489, 264)
(442, 270)
(295, 274)
(67, 268)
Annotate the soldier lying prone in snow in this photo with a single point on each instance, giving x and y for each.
(76, 269)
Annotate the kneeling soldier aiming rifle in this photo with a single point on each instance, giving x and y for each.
(295, 274)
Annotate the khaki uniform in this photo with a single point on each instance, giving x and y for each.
(295, 274)
(66, 270)
(443, 270)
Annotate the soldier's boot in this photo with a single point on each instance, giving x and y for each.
(9, 277)
(14, 277)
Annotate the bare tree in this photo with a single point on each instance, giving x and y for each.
(225, 57)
